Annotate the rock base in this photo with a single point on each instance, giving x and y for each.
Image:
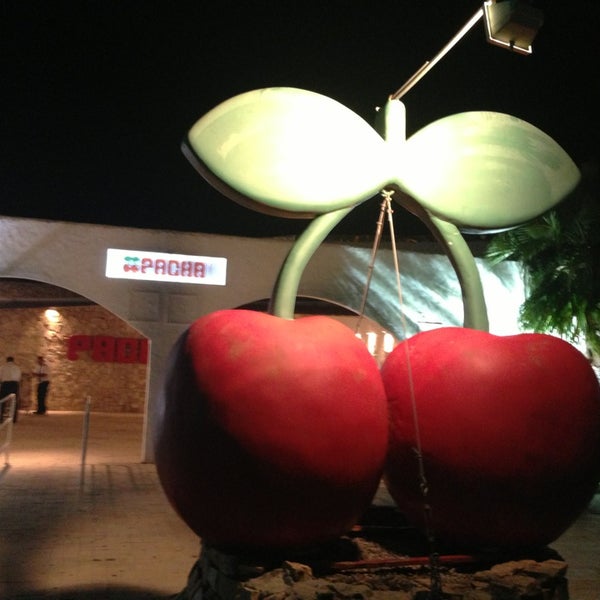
(380, 559)
(222, 576)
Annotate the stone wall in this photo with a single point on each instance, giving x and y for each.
(26, 333)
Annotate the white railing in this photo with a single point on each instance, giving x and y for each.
(7, 425)
(84, 438)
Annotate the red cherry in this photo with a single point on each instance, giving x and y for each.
(510, 434)
(273, 432)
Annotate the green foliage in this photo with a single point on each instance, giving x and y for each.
(559, 254)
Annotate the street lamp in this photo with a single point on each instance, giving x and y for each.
(512, 25)
(508, 24)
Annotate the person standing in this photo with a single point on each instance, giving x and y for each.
(10, 381)
(42, 373)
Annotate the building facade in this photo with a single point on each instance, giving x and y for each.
(163, 280)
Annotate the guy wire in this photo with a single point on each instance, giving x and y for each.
(436, 584)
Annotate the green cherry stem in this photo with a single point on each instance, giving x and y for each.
(283, 298)
(461, 258)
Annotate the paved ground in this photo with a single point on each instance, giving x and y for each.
(110, 534)
(107, 531)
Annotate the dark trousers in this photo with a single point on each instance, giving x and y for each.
(42, 392)
(6, 388)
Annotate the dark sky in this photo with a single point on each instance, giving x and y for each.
(97, 96)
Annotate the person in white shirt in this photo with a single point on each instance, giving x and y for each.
(10, 381)
(42, 373)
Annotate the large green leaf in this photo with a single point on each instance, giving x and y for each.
(485, 170)
(289, 152)
(295, 153)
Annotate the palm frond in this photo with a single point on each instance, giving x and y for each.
(559, 255)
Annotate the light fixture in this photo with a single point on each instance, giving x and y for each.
(371, 342)
(388, 342)
(509, 24)
(52, 315)
(512, 25)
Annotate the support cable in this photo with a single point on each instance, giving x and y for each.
(434, 566)
(376, 242)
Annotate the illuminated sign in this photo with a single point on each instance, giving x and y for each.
(105, 348)
(157, 266)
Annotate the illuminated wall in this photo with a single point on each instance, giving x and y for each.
(73, 256)
(93, 369)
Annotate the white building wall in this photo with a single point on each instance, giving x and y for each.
(73, 255)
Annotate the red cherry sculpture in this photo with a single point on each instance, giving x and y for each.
(509, 429)
(273, 432)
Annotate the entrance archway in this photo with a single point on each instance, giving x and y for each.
(93, 355)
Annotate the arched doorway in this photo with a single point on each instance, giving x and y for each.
(96, 361)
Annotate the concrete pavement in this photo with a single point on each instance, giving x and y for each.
(108, 532)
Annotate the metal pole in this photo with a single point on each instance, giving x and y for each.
(11, 400)
(84, 441)
(414, 79)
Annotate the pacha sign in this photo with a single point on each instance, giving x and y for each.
(105, 348)
(157, 266)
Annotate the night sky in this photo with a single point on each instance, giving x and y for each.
(96, 97)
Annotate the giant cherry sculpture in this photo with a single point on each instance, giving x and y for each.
(226, 453)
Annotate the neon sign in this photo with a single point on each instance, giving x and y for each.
(106, 348)
(158, 266)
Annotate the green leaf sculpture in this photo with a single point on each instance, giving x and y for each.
(298, 154)
(289, 152)
(485, 170)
